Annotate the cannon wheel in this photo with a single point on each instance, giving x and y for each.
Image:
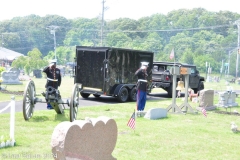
(74, 102)
(28, 100)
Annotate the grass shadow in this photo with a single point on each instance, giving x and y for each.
(39, 118)
(62, 117)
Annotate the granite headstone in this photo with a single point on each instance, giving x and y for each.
(11, 76)
(89, 139)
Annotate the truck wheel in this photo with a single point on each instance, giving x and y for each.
(122, 95)
(96, 95)
(200, 87)
(133, 94)
(169, 90)
(85, 95)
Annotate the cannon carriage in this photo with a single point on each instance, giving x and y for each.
(51, 96)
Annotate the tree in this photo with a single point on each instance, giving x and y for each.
(63, 54)
(187, 57)
(31, 62)
(2, 69)
(20, 62)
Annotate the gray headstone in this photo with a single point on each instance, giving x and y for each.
(206, 98)
(156, 113)
(11, 76)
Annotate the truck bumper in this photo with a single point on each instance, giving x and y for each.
(160, 85)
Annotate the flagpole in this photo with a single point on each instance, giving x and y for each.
(173, 106)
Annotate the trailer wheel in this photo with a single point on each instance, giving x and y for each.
(133, 94)
(122, 95)
(85, 95)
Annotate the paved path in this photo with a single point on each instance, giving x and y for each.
(91, 101)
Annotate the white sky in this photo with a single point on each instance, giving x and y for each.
(133, 9)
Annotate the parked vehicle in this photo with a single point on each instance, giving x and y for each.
(110, 71)
(162, 78)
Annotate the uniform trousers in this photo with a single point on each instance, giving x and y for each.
(141, 100)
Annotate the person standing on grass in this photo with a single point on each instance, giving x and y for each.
(53, 77)
(141, 87)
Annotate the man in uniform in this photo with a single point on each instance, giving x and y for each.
(141, 73)
(53, 77)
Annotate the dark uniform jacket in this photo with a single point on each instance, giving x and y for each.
(142, 82)
(53, 77)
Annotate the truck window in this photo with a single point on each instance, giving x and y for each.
(193, 70)
(155, 68)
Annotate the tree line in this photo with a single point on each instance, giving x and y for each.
(197, 36)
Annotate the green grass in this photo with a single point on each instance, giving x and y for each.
(188, 137)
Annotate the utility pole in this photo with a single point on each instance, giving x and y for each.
(53, 29)
(238, 46)
(2, 41)
(229, 54)
(102, 23)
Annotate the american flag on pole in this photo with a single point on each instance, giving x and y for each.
(131, 121)
(204, 112)
(172, 54)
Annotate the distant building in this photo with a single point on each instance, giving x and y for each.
(7, 56)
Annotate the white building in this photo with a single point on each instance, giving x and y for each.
(7, 56)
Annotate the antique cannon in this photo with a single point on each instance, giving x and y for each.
(53, 97)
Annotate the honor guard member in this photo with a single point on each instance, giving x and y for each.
(53, 77)
(141, 73)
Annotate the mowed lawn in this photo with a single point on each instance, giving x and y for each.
(179, 136)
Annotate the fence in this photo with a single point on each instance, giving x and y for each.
(11, 141)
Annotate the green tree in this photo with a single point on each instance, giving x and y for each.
(116, 39)
(63, 55)
(31, 62)
(1, 70)
(187, 57)
(20, 62)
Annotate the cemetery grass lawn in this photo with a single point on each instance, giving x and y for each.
(188, 137)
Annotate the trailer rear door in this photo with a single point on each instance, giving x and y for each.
(90, 67)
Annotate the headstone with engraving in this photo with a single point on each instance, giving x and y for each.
(11, 76)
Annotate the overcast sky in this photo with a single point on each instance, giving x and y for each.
(115, 9)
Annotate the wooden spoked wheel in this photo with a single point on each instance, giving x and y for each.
(74, 102)
(28, 100)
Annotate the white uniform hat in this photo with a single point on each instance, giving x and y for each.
(54, 61)
(144, 65)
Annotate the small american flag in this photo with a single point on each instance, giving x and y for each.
(131, 121)
(172, 54)
(204, 112)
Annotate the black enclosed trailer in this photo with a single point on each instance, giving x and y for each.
(110, 71)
